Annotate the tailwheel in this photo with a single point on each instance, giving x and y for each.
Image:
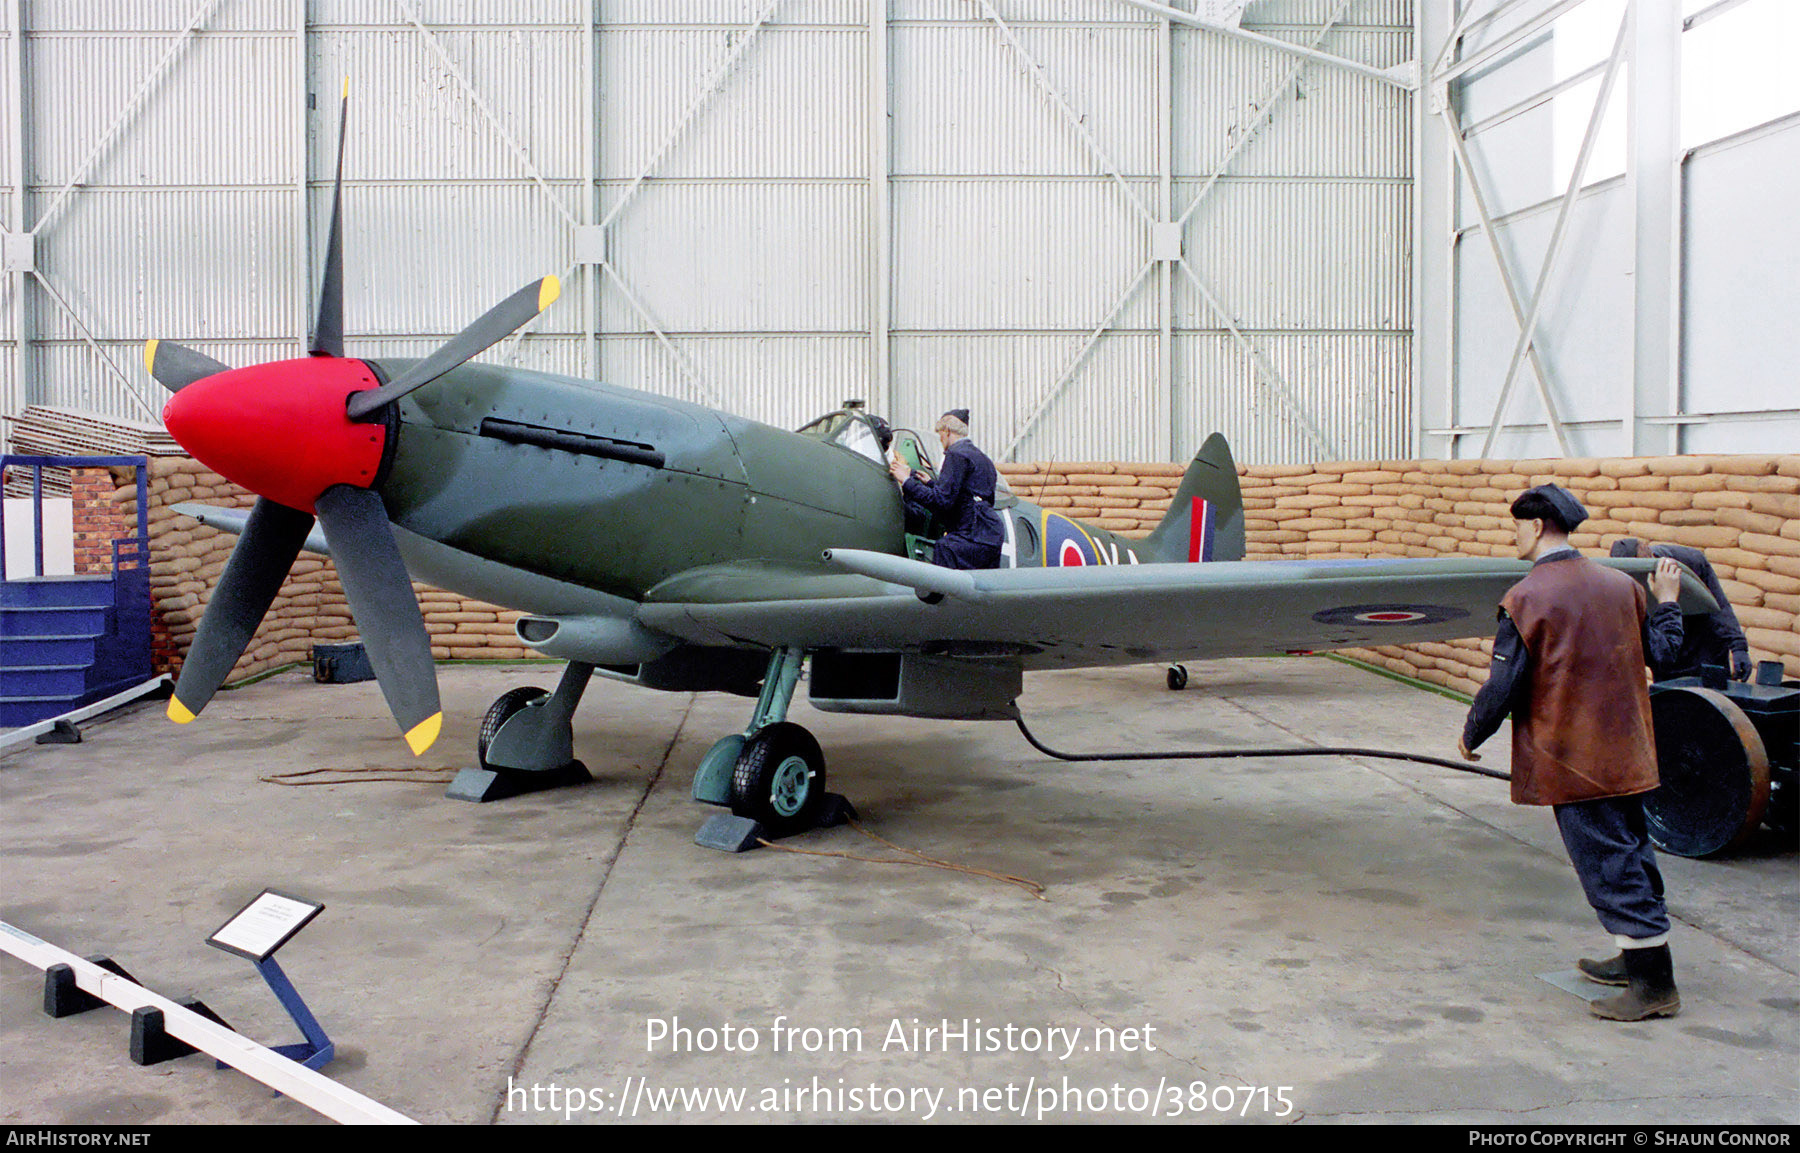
(499, 713)
(1177, 678)
(779, 780)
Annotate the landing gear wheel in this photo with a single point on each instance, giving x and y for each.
(498, 714)
(1715, 774)
(1177, 678)
(779, 780)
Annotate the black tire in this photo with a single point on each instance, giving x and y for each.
(1177, 678)
(1714, 770)
(498, 714)
(779, 780)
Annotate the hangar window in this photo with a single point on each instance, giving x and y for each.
(1736, 67)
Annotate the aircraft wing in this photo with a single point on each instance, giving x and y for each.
(1108, 614)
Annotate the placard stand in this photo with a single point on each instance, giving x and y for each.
(254, 933)
(317, 1050)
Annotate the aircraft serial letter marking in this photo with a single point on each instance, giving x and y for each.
(1068, 545)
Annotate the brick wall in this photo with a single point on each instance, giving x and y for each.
(97, 517)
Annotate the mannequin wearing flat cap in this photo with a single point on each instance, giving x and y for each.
(962, 495)
(1568, 667)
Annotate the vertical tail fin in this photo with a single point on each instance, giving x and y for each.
(1205, 521)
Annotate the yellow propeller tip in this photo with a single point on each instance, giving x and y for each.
(548, 292)
(150, 356)
(421, 736)
(346, 88)
(179, 713)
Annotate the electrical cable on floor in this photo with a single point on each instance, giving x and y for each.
(364, 776)
(917, 858)
(1301, 751)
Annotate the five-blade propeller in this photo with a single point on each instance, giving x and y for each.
(493, 326)
(309, 437)
(175, 366)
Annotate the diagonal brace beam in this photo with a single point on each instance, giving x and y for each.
(1270, 379)
(1036, 72)
(1075, 363)
(1461, 147)
(130, 110)
(1400, 76)
(87, 337)
(468, 86)
(708, 90)
(1564, 212)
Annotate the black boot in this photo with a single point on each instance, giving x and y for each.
(1650, 974)
(1604, 972)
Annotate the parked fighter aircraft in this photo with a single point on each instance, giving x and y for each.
(685, 549)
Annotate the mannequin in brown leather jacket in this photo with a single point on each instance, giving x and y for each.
(1568, 666)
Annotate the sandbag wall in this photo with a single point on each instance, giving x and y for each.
(1743, 510)
(187, 558)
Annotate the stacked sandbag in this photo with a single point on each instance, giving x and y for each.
(187, 559)
(1743, 511)
(1119, 497)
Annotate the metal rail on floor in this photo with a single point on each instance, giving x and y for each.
(315, 1091)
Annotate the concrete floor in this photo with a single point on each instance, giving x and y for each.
(1312, 940)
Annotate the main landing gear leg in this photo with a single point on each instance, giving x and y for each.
(772, 775)
(527, 742)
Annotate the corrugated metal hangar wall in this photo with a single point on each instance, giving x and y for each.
(1107, 226)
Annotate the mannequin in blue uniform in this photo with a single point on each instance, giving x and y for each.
(1710, 640)
(962, 496)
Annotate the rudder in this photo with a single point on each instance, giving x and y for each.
(1205, 521)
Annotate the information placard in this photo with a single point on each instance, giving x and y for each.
(264, 925)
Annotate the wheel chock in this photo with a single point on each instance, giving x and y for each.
(729, 833)
(836, 810)
(483, 785)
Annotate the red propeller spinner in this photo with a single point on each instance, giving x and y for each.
(280, 429)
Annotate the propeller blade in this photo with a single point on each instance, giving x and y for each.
(175, 366)
(493, 326)
(328, 317)
(265, 552)
(381, 598)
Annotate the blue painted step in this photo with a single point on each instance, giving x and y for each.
(54, 620)
(16, 713)
(17, 681)
(33, 650)
(62, 643)
(57, 592)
